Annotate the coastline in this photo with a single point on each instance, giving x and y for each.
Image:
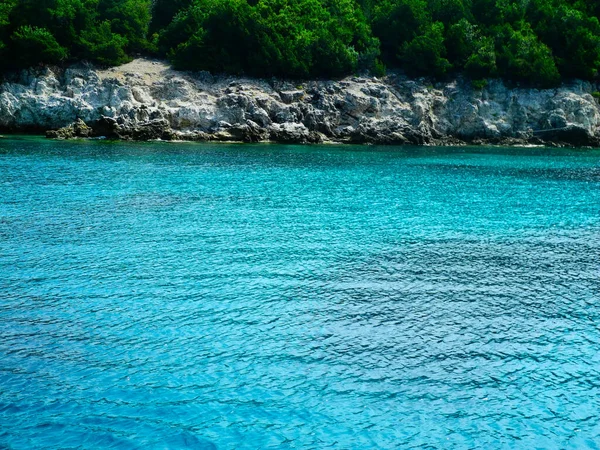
(147, 100)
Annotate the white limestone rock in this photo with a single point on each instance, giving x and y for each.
(148, 100)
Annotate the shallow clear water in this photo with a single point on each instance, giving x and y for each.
(243, 297)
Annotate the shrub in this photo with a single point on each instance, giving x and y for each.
(523, 57)
(104, 46)
(396, 22)
(425, 54)
(128, 18)
(479, 84)
(32, 45)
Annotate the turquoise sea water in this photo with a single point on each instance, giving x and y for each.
(165, 296)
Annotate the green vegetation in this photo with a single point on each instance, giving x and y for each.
(532, 41)
(308, 38)
(54, 31)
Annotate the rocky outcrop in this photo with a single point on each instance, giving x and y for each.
(78, 129)
(146, 100)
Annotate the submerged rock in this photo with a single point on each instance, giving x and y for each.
(159, 103)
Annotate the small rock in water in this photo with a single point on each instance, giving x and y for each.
(78, 129)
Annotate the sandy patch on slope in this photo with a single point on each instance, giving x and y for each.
(147, 71)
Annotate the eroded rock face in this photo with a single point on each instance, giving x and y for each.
(146, 100)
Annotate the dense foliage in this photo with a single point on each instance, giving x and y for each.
(534, 41)
(52, 31)
(273, 37)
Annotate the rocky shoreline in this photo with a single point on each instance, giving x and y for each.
(146, 100)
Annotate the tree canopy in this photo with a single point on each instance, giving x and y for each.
(54, 31)
(538, 42)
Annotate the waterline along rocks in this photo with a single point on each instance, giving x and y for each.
(146, 100)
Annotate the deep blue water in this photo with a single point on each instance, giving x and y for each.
(160, 296)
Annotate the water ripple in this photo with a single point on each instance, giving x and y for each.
(217, 297)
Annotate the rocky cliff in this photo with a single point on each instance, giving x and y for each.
(147, 100)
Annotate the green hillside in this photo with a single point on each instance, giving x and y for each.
(532, 41)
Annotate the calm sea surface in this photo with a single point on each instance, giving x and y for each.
(165, 296)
